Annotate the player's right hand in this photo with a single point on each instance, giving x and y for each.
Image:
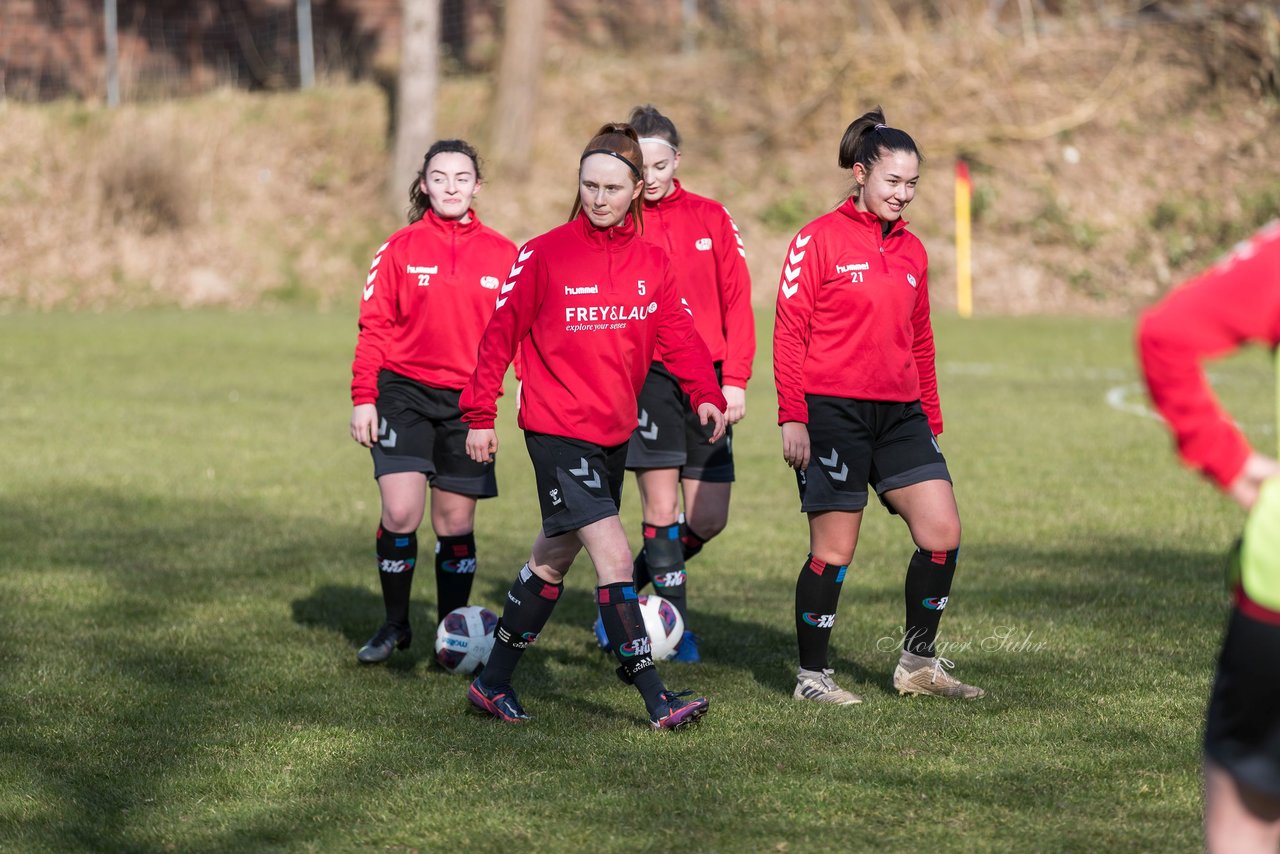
(364, 424)
(795, 444)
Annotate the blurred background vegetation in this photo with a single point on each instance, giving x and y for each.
(1116, 145)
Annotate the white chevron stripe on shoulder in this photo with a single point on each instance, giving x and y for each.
(802, 240)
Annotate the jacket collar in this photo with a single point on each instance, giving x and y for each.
(605, 239)
(445, 226)
(868, 219)
(676, 196)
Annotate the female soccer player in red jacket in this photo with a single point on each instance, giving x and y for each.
(1236, 302)
(429, 294)
(858, 404)
(669, 451)
(588, 305)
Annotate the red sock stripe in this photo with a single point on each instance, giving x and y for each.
(550, 591)
(818, 566)
(1253, 610)
(939, 558)
(649, 532)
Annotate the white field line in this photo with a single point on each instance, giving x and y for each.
(1127, 397)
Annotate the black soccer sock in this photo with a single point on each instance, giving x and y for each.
(928, 585)
(640, 571)
(620, 611)
(455, 570)
(817, 595)
(530, 602)
(666, 565)
(691, 542)
(397, 554)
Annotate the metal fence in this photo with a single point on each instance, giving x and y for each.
(139, 49)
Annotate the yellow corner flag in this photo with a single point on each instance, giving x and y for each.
(964, 258)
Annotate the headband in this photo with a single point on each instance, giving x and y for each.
(661, 140)
(611, 153)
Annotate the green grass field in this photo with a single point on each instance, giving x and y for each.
(186, 545)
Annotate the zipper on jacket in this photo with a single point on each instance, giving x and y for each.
(666, 232)
(608, 254)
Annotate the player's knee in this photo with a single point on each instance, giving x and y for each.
(707, 525)
(833, 557)
(452, 524)
(400, 519)
(551, 568)
(661, 513)
(552, 560)
(940, 536)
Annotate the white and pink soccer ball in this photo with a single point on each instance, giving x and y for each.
(464, 639)
(663, 623)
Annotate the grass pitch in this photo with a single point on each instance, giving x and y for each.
(186, 542)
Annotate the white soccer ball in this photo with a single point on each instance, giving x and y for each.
(464, 639)
(663, 623)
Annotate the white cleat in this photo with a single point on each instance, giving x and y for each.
(916, 674)
(817, 686)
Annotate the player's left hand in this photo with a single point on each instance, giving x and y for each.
(482, 444)
(737, 399)
(1258, 468)
(708, 412)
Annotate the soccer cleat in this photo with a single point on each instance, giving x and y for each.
(602, 639)
(818, 687)
(687, 649)
(391, 636)
(674, 712)
(917, 674)
(500, 702)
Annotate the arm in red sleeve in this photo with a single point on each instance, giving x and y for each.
(1235, 302)
(517, 305)
(735, 297)
(923, 351)
(377, 322)
(683, 352)
(797, 293)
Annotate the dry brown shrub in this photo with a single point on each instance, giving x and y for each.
(1082, 143)
(144, 179)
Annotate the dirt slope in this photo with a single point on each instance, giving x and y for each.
(1107, 164)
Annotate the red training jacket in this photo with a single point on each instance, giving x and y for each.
(587, 306)
(430, 292)
(853, 316)
(1236, 301)
(710, 265)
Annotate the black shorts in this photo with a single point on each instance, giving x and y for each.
(420, 429)
(1243, 729)
(853, 443)
(578, 482)
(669, 436)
